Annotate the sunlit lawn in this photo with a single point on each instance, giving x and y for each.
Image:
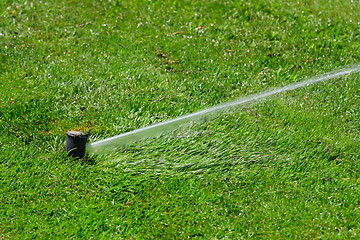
(283, 168)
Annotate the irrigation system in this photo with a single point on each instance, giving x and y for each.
(76, 141)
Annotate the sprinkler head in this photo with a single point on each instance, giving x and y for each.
(76, 143)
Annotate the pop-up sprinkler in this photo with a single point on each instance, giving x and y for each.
(75, 143)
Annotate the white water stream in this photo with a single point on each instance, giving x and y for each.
(159, 128)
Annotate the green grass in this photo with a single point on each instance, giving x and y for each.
(284, 168)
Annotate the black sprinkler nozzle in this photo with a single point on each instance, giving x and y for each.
(76, 143)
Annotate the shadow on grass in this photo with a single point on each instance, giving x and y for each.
(86, 160)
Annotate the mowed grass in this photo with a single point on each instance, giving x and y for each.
(283, 168)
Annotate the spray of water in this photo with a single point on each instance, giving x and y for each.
(160, 128)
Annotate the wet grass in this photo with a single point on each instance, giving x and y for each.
(282, 168)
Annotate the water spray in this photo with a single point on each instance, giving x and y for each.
(76, 143)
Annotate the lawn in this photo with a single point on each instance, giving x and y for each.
(286, 167)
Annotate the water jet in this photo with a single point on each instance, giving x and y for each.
(77, 143)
